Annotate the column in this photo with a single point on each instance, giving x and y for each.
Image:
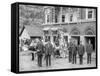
(52, 39)
(61, 10)
(82, 39)
(43, 38)
(69, 37)
(53, 15)
(86, 14)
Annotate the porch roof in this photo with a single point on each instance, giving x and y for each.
(34, 31)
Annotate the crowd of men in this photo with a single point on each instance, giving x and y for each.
(73, 49)
(80, 50)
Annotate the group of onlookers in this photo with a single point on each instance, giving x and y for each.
(80, 50)
(46, 51)
(75, 51)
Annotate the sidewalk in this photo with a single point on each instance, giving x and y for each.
(26, 64)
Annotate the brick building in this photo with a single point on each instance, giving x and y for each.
(69, 22)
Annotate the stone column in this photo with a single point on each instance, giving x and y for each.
(53, 15)
(43, 38)
(82, 39)
(69, 38)
(52, 39)
(61, 10)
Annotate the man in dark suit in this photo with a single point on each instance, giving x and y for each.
(89, 50)
(48, 52)
(74, 52)
(81, 51)
(70, 50)
(40, 49)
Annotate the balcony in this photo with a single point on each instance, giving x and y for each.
(70, 22)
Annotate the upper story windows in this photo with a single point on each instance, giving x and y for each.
(57, 15)
(56, 19)
(54, 32)
(48, 18)
(47, 15)
(71, 17)
(63, 18)
(46, 32)
(90, 14)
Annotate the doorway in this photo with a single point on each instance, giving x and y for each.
(47, 38)
(77, 39)
(66, 38)
(92, 40)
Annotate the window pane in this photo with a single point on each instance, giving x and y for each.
(71, 17)
(63, 18)
(56, 19)
(46, 32)
(47, 38)
(89, 14)
(48, 18)
(54, 32)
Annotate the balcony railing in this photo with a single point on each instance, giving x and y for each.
(70, 22)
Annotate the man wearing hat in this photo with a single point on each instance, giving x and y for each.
(81, 51)
(40, 49)
(70, 50)
(74, 52)
(89, 50)
(48, 52)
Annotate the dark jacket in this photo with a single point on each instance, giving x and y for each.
(81, 49)
(89, 48)
(70, 47)
(74, 49)
(40, 48)
(32, 48)
(48, 49)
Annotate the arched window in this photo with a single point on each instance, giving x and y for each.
(89, 31)
(75, 31)
(71, 17)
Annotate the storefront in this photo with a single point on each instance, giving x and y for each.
(90, 37)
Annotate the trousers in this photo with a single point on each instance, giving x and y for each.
(48, 60)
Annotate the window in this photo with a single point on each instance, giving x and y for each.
(47, 38)
(54, 32)
(46, 32)
(48, 18)
(71, 17)
(90, 14)
(63, 18)
(54, 38)
(56, 20)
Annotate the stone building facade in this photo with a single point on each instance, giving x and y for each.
(69, 22)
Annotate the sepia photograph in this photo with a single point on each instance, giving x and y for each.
(53, 37)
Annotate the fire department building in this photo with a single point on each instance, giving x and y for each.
(69, 22)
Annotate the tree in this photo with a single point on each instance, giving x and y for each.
(31, 14)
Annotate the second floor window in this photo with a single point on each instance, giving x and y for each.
(54, 32)
(63, 18)
(48, 18)
(56, 20)
(46, 32)
(71, 17)
(90, 14)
